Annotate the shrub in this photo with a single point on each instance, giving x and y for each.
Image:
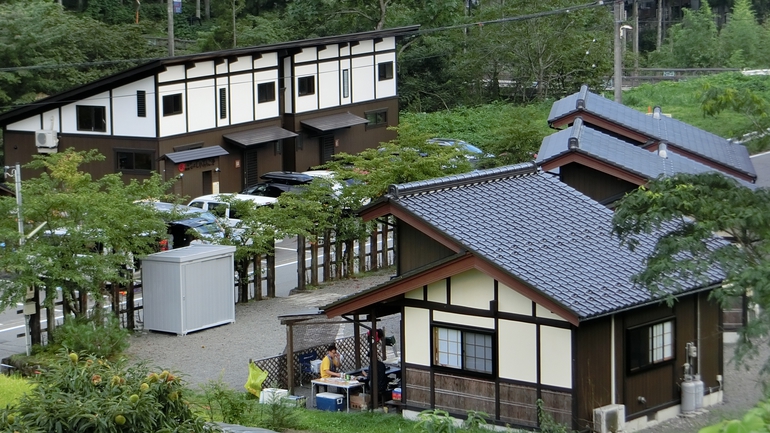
(89, 336)
(86, 393)
(222, 402)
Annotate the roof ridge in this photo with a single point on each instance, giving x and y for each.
(573, 142)
(581, 98)
(476, 176)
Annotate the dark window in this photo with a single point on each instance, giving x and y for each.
(376, 118)
(134, 160)
(345, 83)
(462, 349)
(650, 344)
(141, 103)
(172, 104)
(91, 118)
(306, 86)
(265, 92)
(384, 71)
(223, 103)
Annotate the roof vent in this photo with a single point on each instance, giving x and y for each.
(656, 112)
(663, 150)
(574, 139)
(580, 104)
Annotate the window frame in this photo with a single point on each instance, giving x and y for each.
(306, 85)
(464, 357)
(133, 153)
(380, 117)
(641, 345)
(269, 96)
(98, 123)
(385, 71)
(170, 108)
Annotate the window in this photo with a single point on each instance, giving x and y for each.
(462, 349)
(265, 92)
(376, 118)
(141, 103)
(91, 118)
(384, 71)
(345, 83)
(134, 160)
(306, 86)
(650, 344)
(223, 103)
(172, 104)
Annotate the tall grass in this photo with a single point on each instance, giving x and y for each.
(11, 389)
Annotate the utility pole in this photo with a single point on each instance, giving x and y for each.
(170, 4)
(618, 76)
(30, 307)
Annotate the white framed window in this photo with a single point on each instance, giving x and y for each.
(463, 349)
(650, 344)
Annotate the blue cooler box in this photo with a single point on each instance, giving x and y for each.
(330, 401)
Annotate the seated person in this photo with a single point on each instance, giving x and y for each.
(330, 366)
(382, 378)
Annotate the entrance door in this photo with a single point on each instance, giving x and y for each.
(207, 183)
(327, 148)
(250, 170)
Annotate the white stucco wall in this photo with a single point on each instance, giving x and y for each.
(556, 356)
(202, 101)
(517, 354)
(472, 289)
(417, 337)
(176, 124)
(328, 84)
(511, 301)
(242, 98)
(69, 114)
(437, 291)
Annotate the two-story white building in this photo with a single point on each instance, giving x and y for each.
(219, 120)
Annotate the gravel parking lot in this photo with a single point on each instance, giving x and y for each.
(224, 352)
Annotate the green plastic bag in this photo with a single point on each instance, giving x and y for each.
(256, 377)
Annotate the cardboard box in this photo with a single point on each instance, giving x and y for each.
(330, 401)
(272, 395)
(359, 401)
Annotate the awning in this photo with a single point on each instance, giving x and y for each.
(195, 154)
(334, 121)
(258, 135)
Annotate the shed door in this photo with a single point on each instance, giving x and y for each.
(327, 148)
(207, 183)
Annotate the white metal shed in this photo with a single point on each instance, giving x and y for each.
(188, 289)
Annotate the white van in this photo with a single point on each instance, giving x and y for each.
(218, 204)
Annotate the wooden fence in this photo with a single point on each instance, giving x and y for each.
(635, 77)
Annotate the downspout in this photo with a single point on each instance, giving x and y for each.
(612, 360)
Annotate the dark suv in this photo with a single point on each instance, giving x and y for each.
(278, 182)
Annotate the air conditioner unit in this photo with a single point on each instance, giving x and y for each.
(610, 418)
(46, 141)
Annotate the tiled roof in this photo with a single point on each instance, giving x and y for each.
(195, 154)
(540, 231)
(662, 128)
(580, 138)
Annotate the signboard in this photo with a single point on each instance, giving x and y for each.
(177, 6)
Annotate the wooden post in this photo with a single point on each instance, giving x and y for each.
(357, 340)
(362, 255)
(301, 262)
(374, 380)
(271, 272)
(373, 249)
(385, 259)
(383, 348)
(290, 358)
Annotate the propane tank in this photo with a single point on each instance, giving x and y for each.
(688, 396)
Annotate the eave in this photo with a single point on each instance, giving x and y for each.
(596, 164)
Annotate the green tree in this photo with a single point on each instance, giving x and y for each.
(91, 231)
(689, 210)
(693, 43)
(741, 38)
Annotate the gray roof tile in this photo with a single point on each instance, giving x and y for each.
(673, 131)
(538, 230)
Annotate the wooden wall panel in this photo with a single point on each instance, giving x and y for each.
(461, 394)
(415, 249)
(518, 404)
(593, 183)
(594, 373)
(417, 387)
(559, 405)
(710, 350)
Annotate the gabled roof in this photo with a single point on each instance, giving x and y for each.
(660, 128)
(525, 226)
(155, 66)
(644, 164)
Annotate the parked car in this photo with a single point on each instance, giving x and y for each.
(472, 153)
(186, 225)
(219, 205)
(278, 182)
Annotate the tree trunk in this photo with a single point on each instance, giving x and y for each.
(258, 277)
(301, 262)
(314, 263)
(327, 256)
(243, 281)
(198, 9)
(659, 41)
(170, 13)
(271, 272)
(207, 7)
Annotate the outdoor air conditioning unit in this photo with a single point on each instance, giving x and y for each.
(46, 141)
(610, 418)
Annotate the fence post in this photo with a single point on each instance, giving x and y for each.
(301, 262)
(271, 271)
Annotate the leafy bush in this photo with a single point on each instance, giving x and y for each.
(436, 421)
(12, 388)
(92, 338)
(95, 395)
(222, 402)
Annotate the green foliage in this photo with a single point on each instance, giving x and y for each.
(690, 209)
(12, 387)
(277, 414)
(547, 423)
(88, 394)
(224, 404)
(742, 34)
(755, 420)
(87, 335)
(693, 43)
(475, 420)
(436, 421)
